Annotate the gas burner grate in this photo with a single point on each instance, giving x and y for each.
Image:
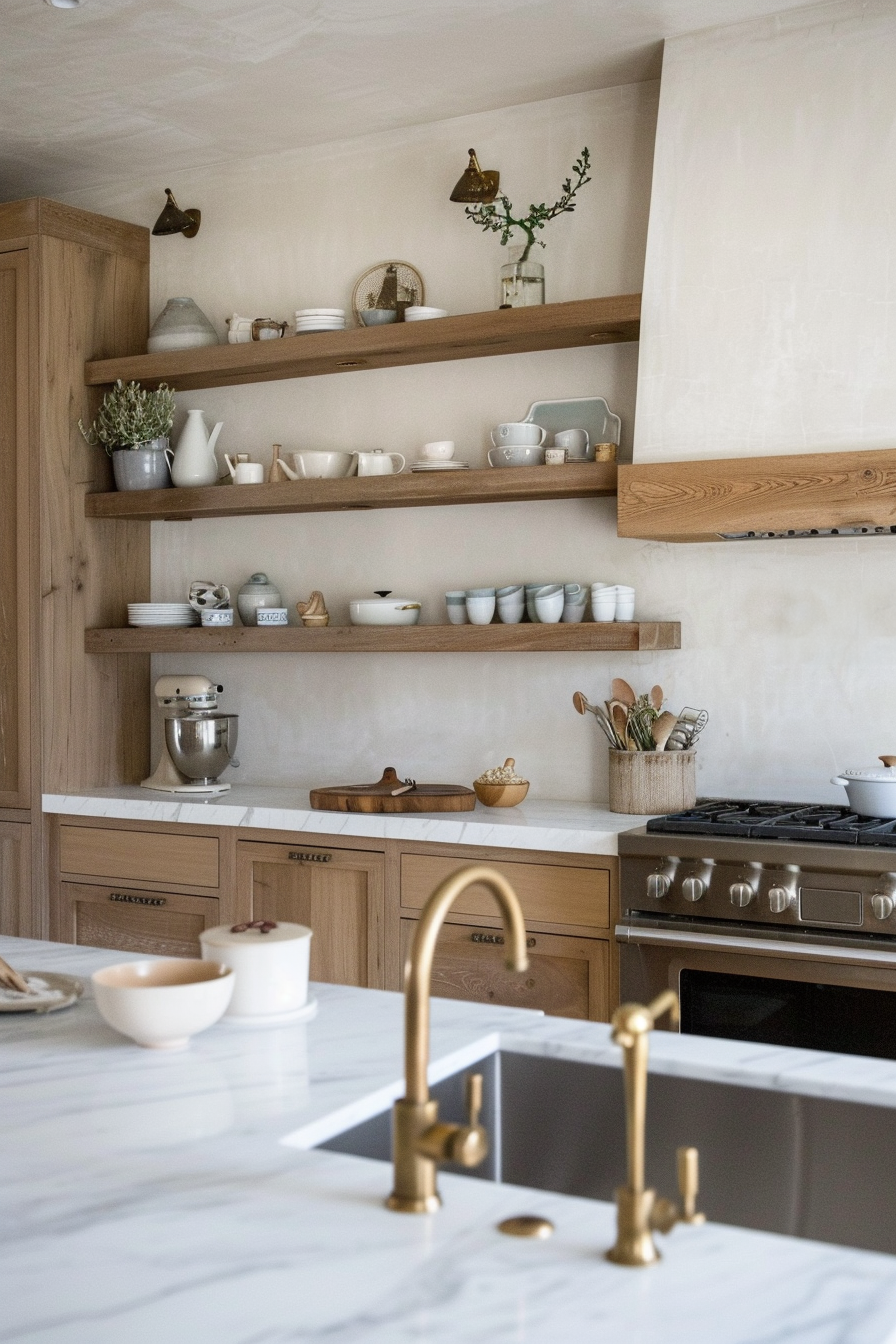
(778, 821)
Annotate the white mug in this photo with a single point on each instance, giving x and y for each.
(521, 434)
(441, 451)
(378, 463)
(575, 441)
(248, 473)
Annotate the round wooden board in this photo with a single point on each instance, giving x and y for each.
(379, 797)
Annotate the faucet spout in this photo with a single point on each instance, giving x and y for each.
(419, 1141)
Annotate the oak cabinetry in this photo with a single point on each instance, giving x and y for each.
(161, 923)
(548, 893)
(568, 977)
(15, 879)
(139, 856)
(339, 893)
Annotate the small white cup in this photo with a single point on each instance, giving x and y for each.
(440, 451)
(625, 607)
(520, 433)
(216, 616)
(603, 604)
(456, 606)
(248, 473)
(549, 604)
(511, 603)
(575, 441)
(480, 606)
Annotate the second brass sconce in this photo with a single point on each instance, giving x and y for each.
(174, 220)
(477, 186)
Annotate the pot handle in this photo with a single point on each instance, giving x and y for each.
(169, 457)
(838, 779)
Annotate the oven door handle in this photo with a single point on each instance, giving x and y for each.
(675, 938)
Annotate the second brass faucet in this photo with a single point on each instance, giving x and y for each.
(419, 1139)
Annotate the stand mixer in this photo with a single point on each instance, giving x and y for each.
(199, 741)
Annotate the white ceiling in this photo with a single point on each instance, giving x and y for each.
(118, 87)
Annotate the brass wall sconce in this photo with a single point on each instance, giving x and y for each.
(477, 186)
(174, 220)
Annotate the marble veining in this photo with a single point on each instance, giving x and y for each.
(555, 826)
(148, 1197)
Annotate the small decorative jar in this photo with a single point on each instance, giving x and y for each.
(257, 592)
(181, 325)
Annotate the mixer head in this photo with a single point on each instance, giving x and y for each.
(188, 691)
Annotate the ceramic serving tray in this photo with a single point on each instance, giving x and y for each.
(588, 413)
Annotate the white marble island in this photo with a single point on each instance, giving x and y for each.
(148, 1197)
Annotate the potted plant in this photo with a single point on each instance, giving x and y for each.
(522, 279)
(133, 425)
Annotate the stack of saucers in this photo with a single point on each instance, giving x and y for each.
(162, 613)
(319, 319)
(451, 465)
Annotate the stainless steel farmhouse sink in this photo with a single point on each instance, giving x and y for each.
(775, 1161)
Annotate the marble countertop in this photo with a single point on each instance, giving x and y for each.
(149, 1197)
(555, 826)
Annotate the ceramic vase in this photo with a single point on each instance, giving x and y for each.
(143, 468)
(194, 457)
(181, 325)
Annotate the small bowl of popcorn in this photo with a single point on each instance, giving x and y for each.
(501, 787)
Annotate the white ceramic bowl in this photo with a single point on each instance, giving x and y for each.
(442, 450)
(384, 611)
(378, 317)
(518, 456)
(315, 464)
(549, 604)
(420, 313)
(162, 1003)
(271, 968)
(518, 432)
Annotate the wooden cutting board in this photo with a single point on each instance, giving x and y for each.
(378, 797)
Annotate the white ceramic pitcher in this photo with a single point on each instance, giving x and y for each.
(378, 463)
(194, 457)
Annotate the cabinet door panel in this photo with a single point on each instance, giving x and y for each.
(339, 894)
(567, 977)
(15, 532)
(15, 880)
(548, 893)
(158, 923)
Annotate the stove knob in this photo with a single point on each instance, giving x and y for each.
(692, 888)
(741, 894)
(779, 900)
(882, 906)
(658, 885)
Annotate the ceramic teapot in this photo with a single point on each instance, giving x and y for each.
(194, 457)
(378, 463)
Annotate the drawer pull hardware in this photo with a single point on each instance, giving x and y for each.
(495, 938)
(137, 900)
(309, 858)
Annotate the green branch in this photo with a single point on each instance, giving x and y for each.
(503, 221)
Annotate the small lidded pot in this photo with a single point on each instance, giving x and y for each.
(256, 592)
(270, 962)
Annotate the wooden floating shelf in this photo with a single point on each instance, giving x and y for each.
(409, 490)
(588, 637)
(704, 500)
(549, 326)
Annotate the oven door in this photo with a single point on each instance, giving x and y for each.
(797, 991)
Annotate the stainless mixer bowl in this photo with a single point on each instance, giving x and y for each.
(202, 745)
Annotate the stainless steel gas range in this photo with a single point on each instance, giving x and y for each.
(773, 922)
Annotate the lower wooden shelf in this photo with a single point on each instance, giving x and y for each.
(587, 637)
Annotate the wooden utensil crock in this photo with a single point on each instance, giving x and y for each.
(645, 782)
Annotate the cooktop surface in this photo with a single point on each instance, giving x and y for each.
(778, 821)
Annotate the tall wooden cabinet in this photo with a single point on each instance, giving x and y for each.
(73, 286)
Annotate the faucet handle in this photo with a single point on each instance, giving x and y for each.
(689, 1185)
(473, 1091)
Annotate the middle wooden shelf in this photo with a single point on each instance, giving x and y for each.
(586, 637)
(489, 485)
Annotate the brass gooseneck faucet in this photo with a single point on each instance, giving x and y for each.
(639, 1213)
(419, 1139)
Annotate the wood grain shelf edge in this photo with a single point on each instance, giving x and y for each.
(588, 637)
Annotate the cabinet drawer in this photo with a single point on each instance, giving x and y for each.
(139, 856)
(548, 894)
(567, 977)
(134, 921)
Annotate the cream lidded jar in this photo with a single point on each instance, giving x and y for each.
(270, 962)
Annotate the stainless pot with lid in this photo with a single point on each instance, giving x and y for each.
(871, 792)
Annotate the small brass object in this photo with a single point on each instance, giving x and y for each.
(639, 1212)
(419, 1139)
(476, 186)
(174, 220)
(527, 1225)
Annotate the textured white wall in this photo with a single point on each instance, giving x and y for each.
(770, 283)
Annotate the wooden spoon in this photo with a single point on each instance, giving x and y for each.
(619, 715)
(656, 697)
(661, 729)
(621, 690)
(12, 980)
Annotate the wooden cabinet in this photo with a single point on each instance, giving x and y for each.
(166, 924)
(339, 893)
(139, 856)
(567, 976)
(15, 879)
(548, 893)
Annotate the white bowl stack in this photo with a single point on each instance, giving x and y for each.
(319, 319)
(162, 613)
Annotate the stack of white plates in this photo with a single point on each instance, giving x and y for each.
(161, 613)
(440, 466)
(319, 319)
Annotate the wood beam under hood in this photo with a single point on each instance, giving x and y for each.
(724, 497)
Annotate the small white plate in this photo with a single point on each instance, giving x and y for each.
(60, 991)
(303, 1014)
(440, 466)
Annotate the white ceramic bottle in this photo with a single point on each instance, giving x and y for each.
(194, 457)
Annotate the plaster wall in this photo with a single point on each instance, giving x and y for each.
(788, 647)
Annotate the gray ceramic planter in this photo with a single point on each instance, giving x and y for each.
(143, 468)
